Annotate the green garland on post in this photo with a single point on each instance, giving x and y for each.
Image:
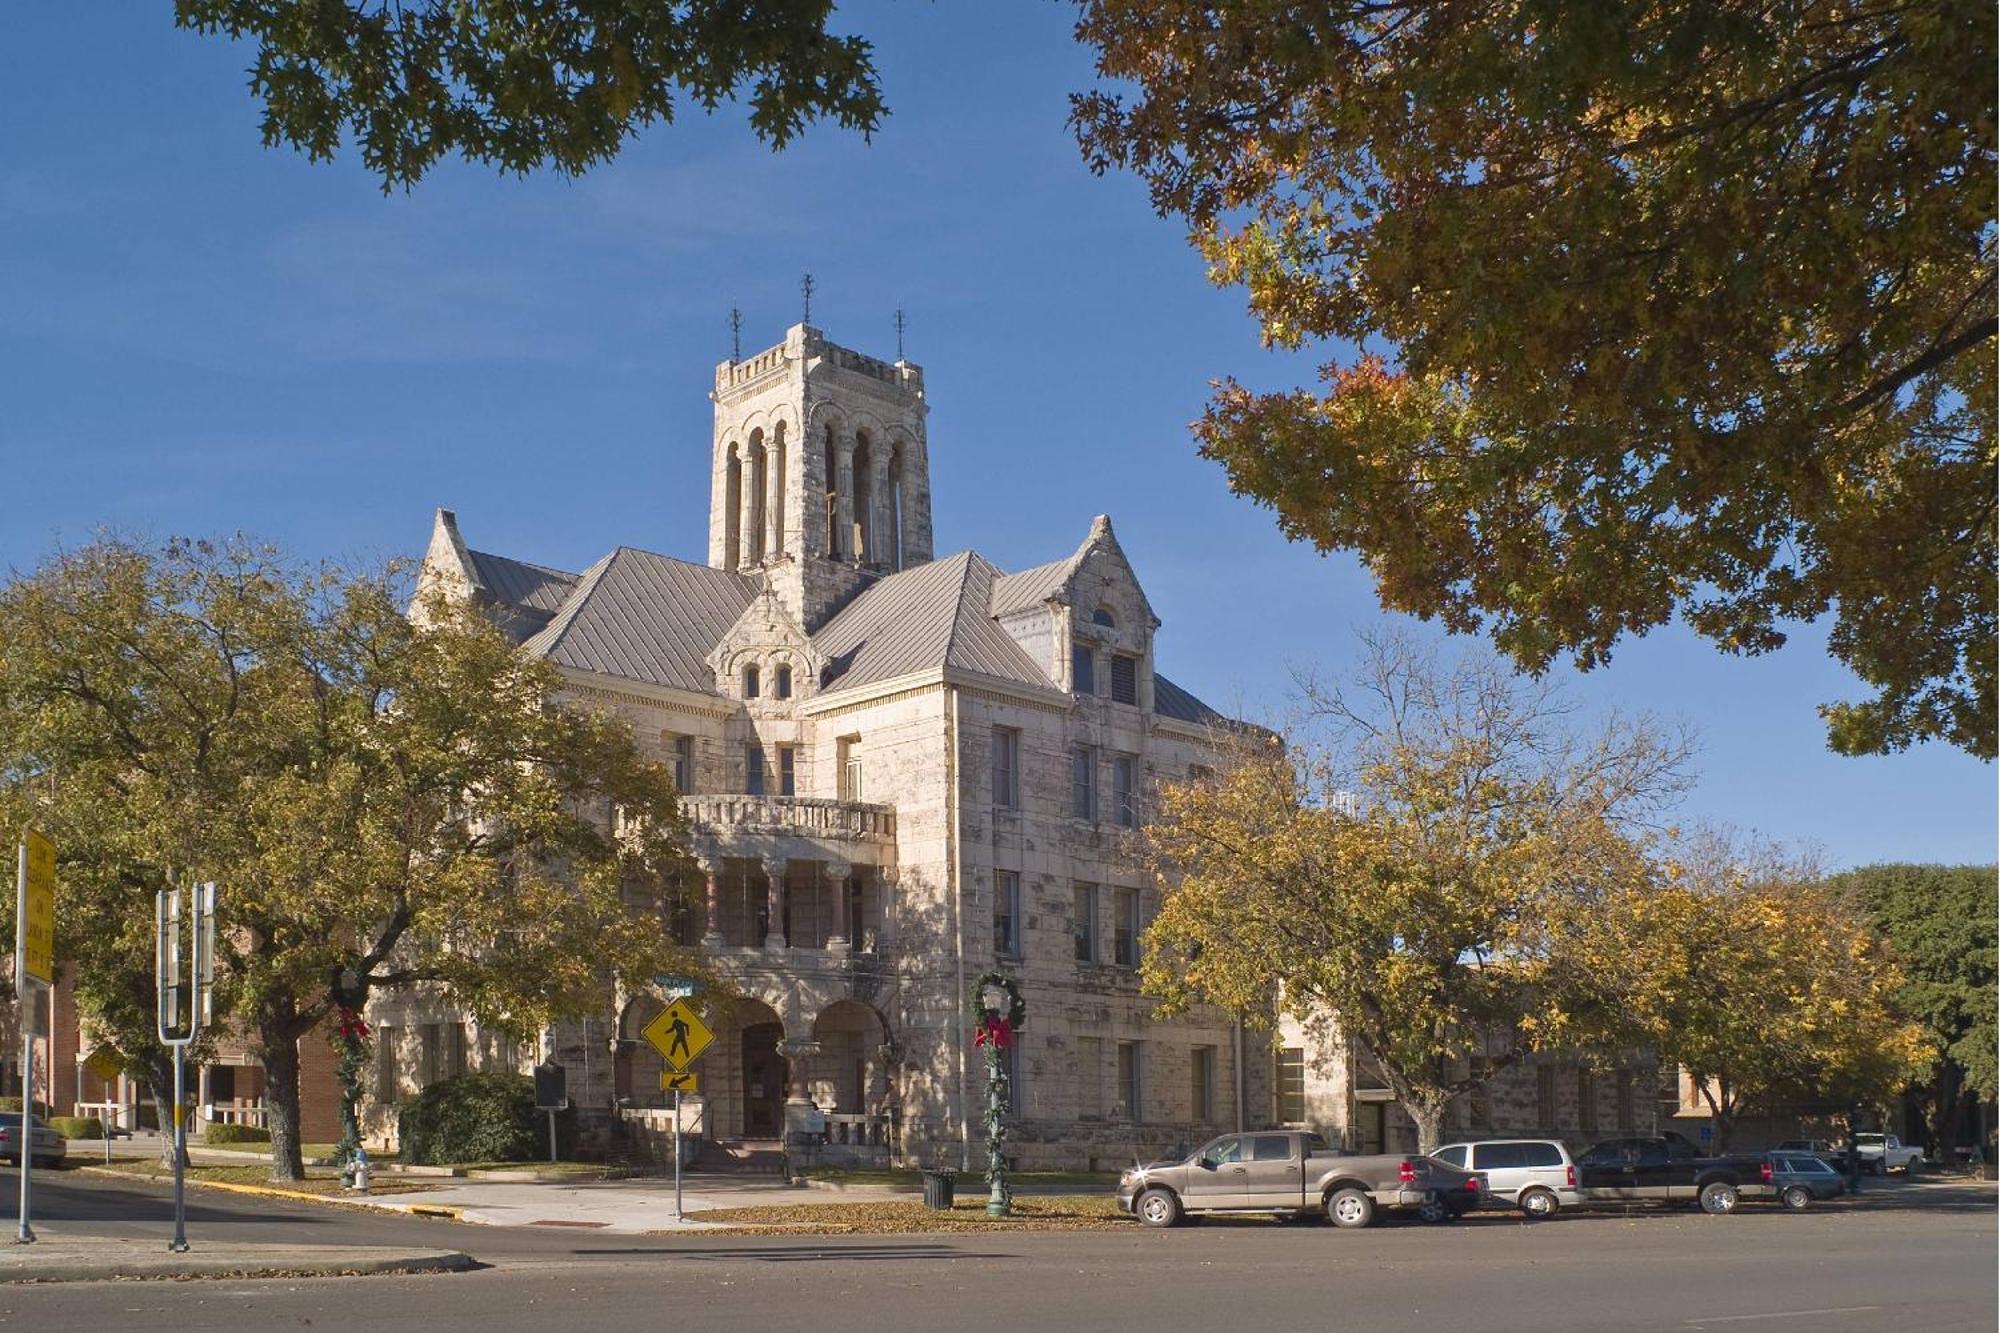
(996, 1032)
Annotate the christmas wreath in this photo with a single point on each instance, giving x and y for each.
(996, 1028)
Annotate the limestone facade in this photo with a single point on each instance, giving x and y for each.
(902, 772)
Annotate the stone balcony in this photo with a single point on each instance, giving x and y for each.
(730, 822)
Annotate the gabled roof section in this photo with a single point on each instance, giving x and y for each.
(931, 616)
(518, 583)
(1170, 700)
(1032, 587)
(646, 617)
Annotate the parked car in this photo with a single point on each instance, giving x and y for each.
(1801, 1177)
(1817, 1147)
(1883, 1153)
(1535, 1175)
(50, 1147)
(1295, 1174)
(1661, 1170)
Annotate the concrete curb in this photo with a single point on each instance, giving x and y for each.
(268, 1191)
(195, 1264)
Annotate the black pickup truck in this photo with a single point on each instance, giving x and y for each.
(1667, 1170)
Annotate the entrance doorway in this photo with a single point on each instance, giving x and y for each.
(764, 1076)
(1370, 1127)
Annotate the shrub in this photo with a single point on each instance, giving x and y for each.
(237, 1134)
(77, 1126)
(480, 1118)
(14, 1104)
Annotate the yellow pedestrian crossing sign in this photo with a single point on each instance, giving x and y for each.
(679, 1035)
(672, 1082)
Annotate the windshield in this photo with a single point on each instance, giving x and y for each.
(1867, 1138)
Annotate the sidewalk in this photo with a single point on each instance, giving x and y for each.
(57, 1257)
(618, 1207)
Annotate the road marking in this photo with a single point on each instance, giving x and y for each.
(1780, 1314)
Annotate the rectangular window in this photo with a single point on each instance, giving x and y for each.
(1006, 768)
(1090, 1078)
(1083, 783)
(1007, 913)
(388, 1083)
(1124, 678)
(454, 1049)
(1545, 1096)
(788, 770)
(1586, 1101)
(849, 759)
(684, 764)
(1016, 1088)
(1082, 669)
(1124, 793)
(753, 770)
(1131, 1081)
(1125, 927)
(1291, 1085)
(430, 1054)
(1083, 924)
(1625, 1099)
(506, 1053)
(1201, 1067)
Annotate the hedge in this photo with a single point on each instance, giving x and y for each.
(219, 1133)
(77, 1126)
(480, 1118)
(42, 1111)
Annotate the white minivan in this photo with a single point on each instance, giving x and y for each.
(1535, 1175)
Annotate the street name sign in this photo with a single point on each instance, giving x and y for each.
(38, 909)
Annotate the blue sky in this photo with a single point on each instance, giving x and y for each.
(199, 335)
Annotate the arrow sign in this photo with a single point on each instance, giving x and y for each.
(672, 1082)
(679, 1035)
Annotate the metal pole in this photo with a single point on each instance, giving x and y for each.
(24, 990)
(552, 1137)
(180, 1242)
(677, 1154)
(26, 1235)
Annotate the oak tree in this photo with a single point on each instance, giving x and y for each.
(1636, 310)
(521, 84)
(1428, 885)
(385, 801)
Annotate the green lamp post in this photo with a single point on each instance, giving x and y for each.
(997, 1001)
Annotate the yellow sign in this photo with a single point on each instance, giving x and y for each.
(672, 1082)
(679, 1035)
(105, 1063)
(38, 908)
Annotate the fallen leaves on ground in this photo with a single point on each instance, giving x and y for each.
(1043, 1212)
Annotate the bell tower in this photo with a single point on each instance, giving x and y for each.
(821, 475)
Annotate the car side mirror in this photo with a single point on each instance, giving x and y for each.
(1206, 1163)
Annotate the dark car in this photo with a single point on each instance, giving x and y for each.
(1665, 1170)
(1800, 1178)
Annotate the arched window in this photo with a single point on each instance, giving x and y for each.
(777, 465)
(781, 684)
(1102, 616)
(832, 495)
(750, 681)
(732, 511)
(759, 482)
(864, 497)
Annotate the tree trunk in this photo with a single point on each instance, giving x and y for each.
(1429, 1118)
(280, 1055)
(1947, 1112)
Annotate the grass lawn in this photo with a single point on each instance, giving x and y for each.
(1042, 1212)
(1023, 1182)
(319, 1179)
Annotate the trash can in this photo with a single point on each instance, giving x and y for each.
(938, 1188)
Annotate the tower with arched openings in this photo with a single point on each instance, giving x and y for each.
(821, 473)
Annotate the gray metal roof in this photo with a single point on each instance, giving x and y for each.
(518, 583)
(1170, 700)
(931, 616)
(646, 617)
(1031, 587)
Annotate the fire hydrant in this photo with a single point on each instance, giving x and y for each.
(358, 1172)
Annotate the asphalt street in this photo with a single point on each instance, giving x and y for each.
(1907, 1259)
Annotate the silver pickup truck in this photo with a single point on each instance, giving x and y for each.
(1295, 1174)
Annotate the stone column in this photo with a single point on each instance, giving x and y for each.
(774, 901)
(836, 878)
(747, 527)
(774, 499)
(880, 501)
(711, 869)
(843, 517)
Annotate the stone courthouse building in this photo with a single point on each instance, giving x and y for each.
(902, 770)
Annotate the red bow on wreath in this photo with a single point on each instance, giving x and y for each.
(351, 1026)
(995, 1031)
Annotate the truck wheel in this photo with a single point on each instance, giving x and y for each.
(1718, 1197)
(1795, 1198)
(1351, 1208)
(1434, 1209)
(1539, 1204)
(1158, 1208)
(1879, 1167)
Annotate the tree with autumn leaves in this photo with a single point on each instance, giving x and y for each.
(1460, 876)
(385, 801)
